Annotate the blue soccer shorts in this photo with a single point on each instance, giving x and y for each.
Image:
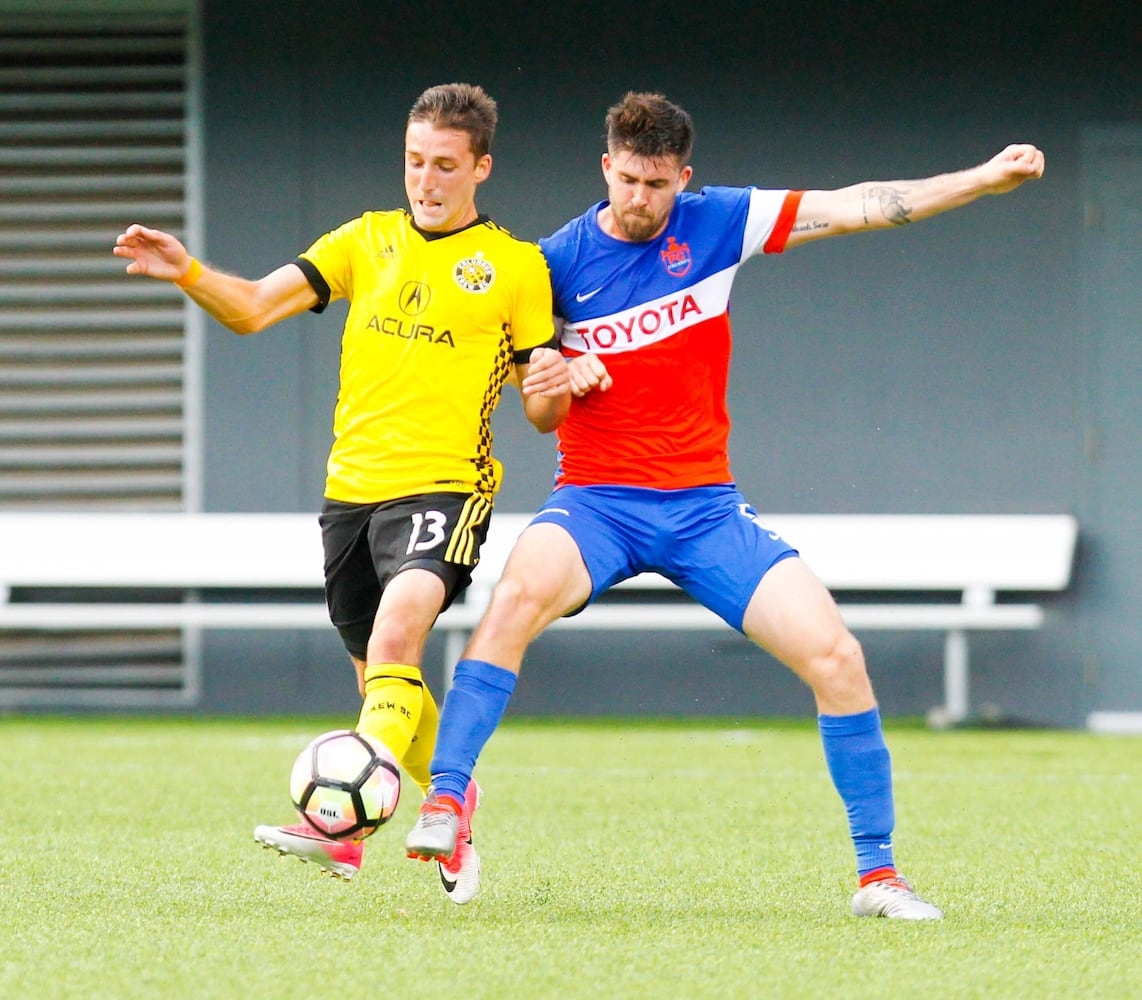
(706, 539)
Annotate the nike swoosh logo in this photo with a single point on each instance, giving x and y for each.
(449, 884)
(584, 296)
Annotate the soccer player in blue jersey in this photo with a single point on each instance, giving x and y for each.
(641, 285)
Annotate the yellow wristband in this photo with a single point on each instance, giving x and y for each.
(193, 273)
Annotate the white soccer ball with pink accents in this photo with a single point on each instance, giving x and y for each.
(345, 784)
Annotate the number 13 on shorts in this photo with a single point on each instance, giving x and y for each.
(427, 531)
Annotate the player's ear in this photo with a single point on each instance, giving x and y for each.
(483, 168)
(606, 163)
(684, 176)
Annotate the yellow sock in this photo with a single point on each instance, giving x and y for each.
(419, 756)
(394, 700)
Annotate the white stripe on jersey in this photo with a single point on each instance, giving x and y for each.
(653, 321)
(764, 209)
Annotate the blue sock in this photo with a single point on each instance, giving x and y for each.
(861, 769)
(472, 709)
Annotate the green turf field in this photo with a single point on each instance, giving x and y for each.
(128, 868)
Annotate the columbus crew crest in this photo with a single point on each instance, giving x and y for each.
(474, 274)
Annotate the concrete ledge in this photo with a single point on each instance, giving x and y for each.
(1115, 723)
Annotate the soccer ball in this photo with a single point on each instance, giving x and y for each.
(345, 784)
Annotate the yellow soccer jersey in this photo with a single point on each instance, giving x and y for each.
(434, 326)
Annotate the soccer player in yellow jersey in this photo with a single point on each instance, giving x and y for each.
(445, 306)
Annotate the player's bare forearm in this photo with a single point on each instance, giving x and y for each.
(242, 305)
(546, 389)
(546, 414)
(887, 204)
(246, 306)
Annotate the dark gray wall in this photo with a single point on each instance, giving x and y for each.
(939, 368)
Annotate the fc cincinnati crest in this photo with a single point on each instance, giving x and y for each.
(676, 257)
(474, 274)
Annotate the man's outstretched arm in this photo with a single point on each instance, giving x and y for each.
(242, 305)
(884, 204)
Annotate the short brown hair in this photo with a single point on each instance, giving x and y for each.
(650, 126)
(461, 106)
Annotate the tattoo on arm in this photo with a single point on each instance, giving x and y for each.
(891, 202)
(810, 226)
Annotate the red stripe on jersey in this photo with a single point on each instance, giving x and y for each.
(784, 224)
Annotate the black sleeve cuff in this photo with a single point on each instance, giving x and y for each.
(316, 282)
(521, 357)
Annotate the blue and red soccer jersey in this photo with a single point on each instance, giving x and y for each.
(657, 313)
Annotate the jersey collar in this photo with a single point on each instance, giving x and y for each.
(480, 220)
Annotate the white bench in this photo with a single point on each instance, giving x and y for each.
(967, 559)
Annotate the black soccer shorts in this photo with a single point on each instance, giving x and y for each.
(366, 545)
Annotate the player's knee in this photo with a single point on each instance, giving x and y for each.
(511, 600)
(517, 606)
(840, 669)
(392, 641)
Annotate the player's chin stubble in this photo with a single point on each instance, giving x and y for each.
(636, 226)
